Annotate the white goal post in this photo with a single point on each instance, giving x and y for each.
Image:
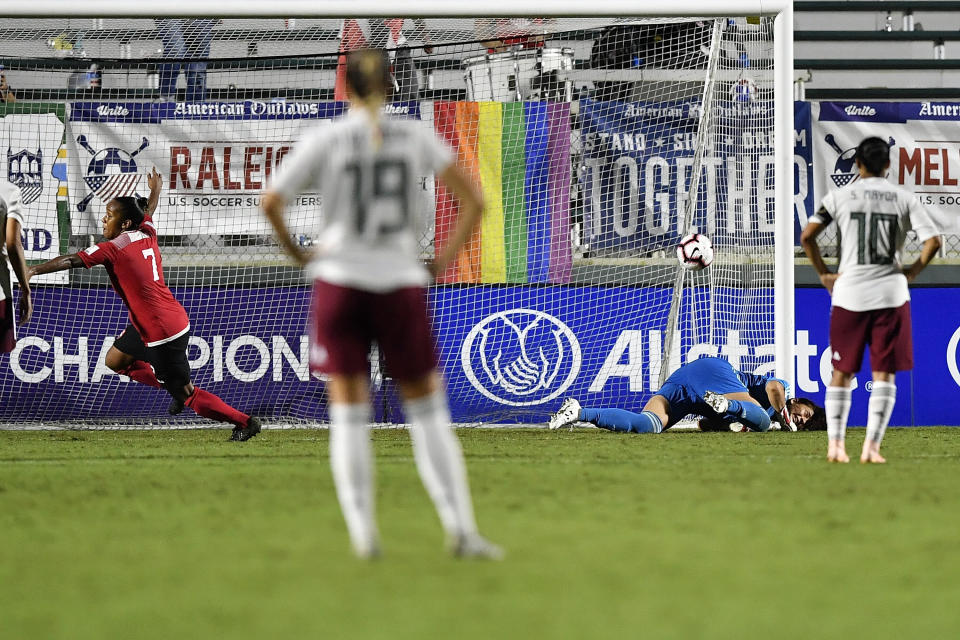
(779, 13)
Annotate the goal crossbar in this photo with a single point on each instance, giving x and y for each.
(379, 8)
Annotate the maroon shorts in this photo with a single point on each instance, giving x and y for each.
(344, 322)
(8, 332)
(887, 331)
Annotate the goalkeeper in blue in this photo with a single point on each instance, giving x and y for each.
(709, 387)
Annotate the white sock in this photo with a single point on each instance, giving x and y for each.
(439, 459)
(882, 399)
(351, 460)
(836, 404)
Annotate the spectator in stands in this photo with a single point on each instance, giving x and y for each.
(6, 91)
(88, 80)
(384, 33)
(185, 38)
(684, 45)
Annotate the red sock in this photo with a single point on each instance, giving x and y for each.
(142, 373)
(210, 406)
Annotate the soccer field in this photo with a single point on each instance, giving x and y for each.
(181, 534)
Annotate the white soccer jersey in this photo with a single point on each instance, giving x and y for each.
(9, 208)
(368, 233)
(873, 217)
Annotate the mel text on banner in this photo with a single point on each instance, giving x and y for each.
(924, 149)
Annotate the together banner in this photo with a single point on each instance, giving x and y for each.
(638, 173)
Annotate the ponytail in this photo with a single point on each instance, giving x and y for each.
(368, 74)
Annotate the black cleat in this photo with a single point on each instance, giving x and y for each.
(175, 407)
(242, 434)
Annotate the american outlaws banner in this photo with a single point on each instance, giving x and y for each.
(216, 159)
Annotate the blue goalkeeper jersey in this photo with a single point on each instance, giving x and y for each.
(756, 385)
(685, 388)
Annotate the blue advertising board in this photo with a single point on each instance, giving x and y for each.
(925, 396)
(57, 372)
(511, 362)
(505, 363)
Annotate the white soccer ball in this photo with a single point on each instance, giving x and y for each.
(695, 251)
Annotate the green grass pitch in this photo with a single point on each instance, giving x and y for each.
(179, 534)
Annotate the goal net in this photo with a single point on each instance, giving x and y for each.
(598, 143)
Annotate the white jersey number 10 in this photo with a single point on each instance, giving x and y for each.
(877, 254)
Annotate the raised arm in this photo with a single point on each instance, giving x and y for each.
(19, 263)
(471, 210)
(155, 182)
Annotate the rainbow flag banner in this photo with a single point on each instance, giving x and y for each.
(519, 152)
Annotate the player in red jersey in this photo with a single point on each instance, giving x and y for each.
(153, 348)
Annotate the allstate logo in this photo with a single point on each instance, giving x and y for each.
(952, 356)
(521, 357)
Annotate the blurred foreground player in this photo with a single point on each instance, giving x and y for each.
(369, 285)
(709, 387)
(153, 348)
(871, 300)
(11, 220)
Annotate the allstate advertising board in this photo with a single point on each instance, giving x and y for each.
(536, 355)
(504, 362)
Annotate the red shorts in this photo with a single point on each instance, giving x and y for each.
(344, 322)
(887, 331)
(8, 332)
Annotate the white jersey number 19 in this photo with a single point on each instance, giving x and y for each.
(391, 180)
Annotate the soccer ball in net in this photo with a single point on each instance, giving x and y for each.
(695, 252)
